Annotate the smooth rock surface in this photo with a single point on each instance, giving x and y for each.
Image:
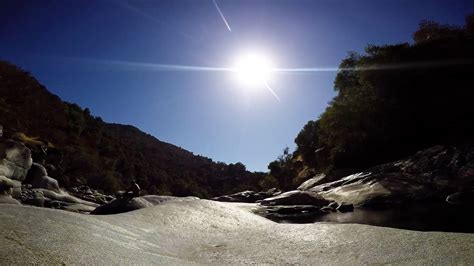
(248, 196)
(130, 204)
(207, 232)
(332, 175)
(312, 182)
(6, 183)
(9, 187)
(433, 173)
(15, 159)
(38, 178)
(64, 197)
(6, 199)
(77, 207)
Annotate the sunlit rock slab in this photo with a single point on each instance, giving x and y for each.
(203, 232)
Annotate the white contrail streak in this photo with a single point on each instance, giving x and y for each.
(221, 14)
(165, 24)
(272, 92)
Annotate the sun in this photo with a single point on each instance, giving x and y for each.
(253, 69)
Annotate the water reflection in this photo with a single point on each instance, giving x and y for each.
(421, 217)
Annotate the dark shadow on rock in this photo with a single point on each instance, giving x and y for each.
(248, 196)
(296, 197)
(38, 178)
(131, 204)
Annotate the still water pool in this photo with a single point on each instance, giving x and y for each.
(420, 217)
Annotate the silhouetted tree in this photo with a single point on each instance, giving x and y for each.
(392, 101)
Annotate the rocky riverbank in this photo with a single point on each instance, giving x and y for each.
(438, 179)
(23, 181)
(161, 229)
(438, 175)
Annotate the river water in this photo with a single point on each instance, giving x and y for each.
(420, 217)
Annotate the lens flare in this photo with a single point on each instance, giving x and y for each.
(253, 69)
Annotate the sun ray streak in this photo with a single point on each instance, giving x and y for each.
(132, 65)
(222, 15)
(309, 69)
(391, 66)
(129, 65)
(143, 66)
(272, 92)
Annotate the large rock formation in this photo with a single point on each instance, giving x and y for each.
(38, 178)
(15, 159)
(433, 173)
(135, 203)
(23, 181)
(314, 181)
(432, 176)
(248, 196)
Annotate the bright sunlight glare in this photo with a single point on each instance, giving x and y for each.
(253, 69)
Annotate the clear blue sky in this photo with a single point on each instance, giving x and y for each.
(69, 44)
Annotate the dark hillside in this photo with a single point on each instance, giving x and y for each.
(82, 149)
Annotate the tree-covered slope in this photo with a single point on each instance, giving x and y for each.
(83, 149)
(392, 101)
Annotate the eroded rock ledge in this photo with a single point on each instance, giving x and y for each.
(438, 174)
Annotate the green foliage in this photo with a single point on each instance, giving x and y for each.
(284, 169)
(106, 182)
(77, 122)
(392, 101)
(307, 142)
(268, 182)
(430, 31)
